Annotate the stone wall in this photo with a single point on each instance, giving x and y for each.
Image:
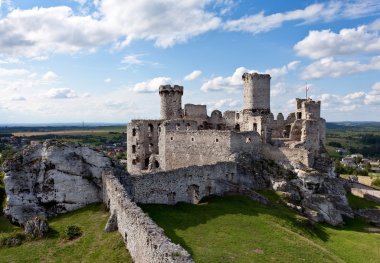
(189, 184)
(185, 148)
(146, 242)
(285, 155)
(204, 147)
(196, 112)
(142, 141)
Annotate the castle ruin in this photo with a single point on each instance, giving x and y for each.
(187, 136)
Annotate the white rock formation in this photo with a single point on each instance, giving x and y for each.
(50, 178)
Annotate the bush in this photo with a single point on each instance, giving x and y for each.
(2, 192)
(13, 240)
(72, 232)
(376, 182)
(335, 144)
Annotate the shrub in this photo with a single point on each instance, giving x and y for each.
(13, 240)
(2, 192)
(72, 232)
(376, 182)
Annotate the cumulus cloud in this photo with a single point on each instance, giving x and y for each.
(61, 93)
(278, 89)
(329, 67)
(351, 101)
(226, 103)
(50, 76)
(4, 72)
(164, 22)
(332, 10)
(18, 98)
(34, 33)
(261, 23)
(151, 86)
(325, 43)
(132, 60)
(193, 75)
(234, 82)
(373, 97)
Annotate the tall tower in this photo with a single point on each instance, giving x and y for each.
(171, 102)
(256, 93)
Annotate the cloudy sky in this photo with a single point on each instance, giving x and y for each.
(103, 60)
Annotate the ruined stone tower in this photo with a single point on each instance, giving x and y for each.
(256, 93)
(171, 102)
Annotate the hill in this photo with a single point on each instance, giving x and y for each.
(95, 245)
(237, 229)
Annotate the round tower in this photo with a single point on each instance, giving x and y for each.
(257, 93)
(171, 102)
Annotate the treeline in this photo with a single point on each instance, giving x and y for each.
(340, 169)
(95, 140)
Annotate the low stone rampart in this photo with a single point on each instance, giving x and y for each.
(145, 241)
(188, 184)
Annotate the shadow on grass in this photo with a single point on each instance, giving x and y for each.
(183, 216)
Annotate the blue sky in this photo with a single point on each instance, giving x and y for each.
(103, 60)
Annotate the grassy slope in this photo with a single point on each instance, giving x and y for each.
(94, 246)
(236, 229)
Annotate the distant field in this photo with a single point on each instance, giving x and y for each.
(74, 132)
(68, 132)
(95, 245)
(237, 229)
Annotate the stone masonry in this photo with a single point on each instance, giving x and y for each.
(188, 136)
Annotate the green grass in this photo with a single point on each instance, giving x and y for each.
(358, 202)
(237, 229)
(95, 245)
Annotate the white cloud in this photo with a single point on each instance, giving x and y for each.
(193, 75)
(151, 86)
(132, 60)
(9, 60)
(164, 22)
(12, 72)
(325, 43)
(329, 67)
(332, 10)
(18, 98)
(61, 93)
(278, 89)
(373, 97)
(225, 103)
(50, 76)
(234, 82)
(33, 32)
(108, 80)
(261, 23)
(276, 73)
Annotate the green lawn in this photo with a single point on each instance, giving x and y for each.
(95, 245)
(237, 229)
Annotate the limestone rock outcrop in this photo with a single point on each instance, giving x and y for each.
(49, 178)
(321, 196)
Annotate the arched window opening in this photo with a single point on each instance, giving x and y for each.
(133, 148)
